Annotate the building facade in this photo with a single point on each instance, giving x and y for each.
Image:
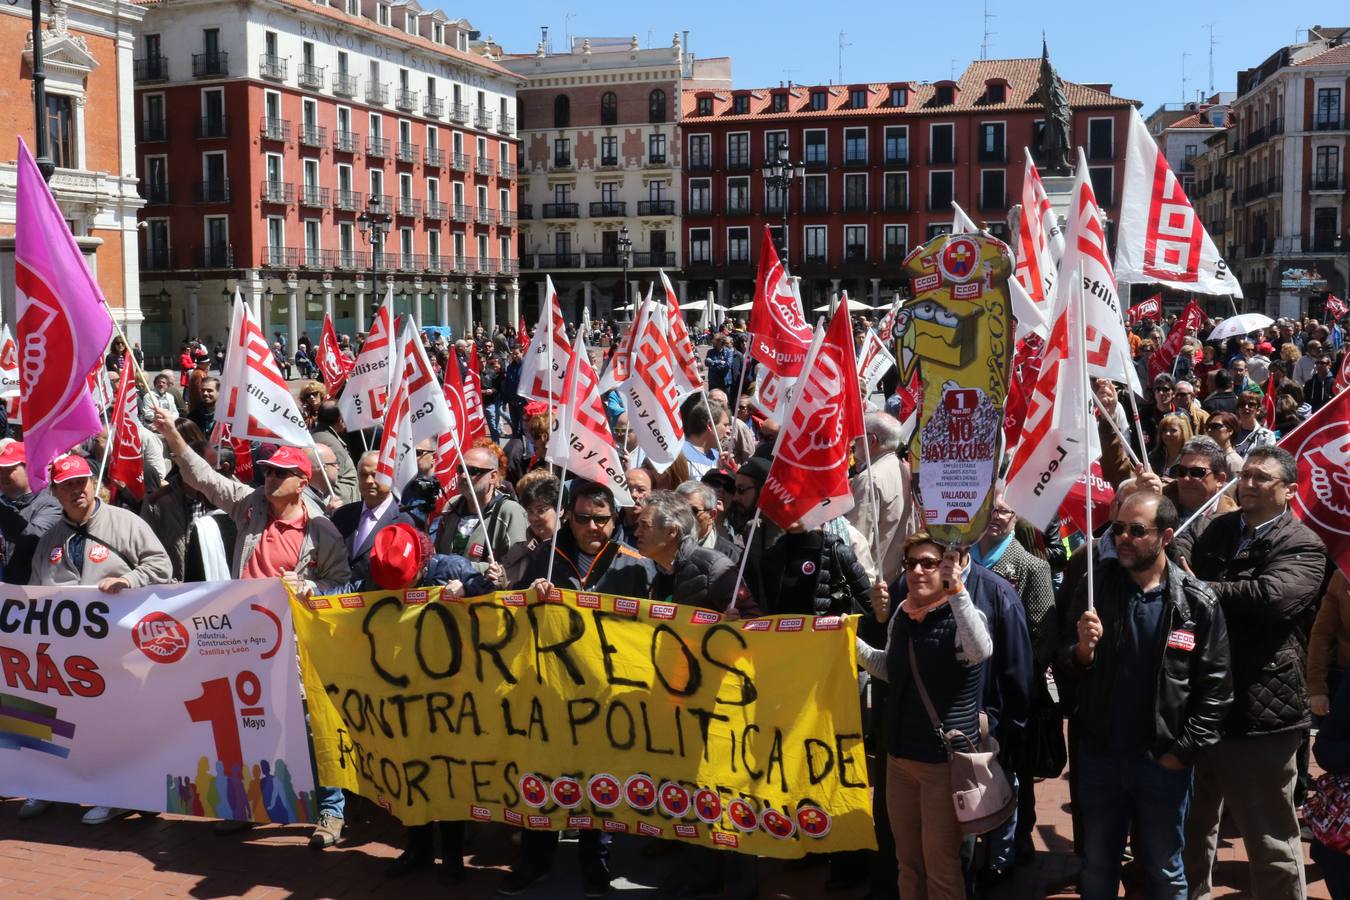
(279, 138)
(881, 165)
(87, 53)
(1182, 129)
(600, 167)
(1287, 236)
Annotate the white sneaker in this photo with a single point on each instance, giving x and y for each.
(32, 808)
(101, 814)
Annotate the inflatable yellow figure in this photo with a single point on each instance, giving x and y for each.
(958, 331)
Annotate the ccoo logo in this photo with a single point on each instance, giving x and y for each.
(161, 637)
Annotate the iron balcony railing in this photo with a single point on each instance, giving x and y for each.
(213, 126)
(311, 76)
(211, 191)
(433, 157)
(313, 135)
(272, 66)
(345, 85)
(406, 153)
(313, 195)
(347, 201)
(272, 128)
(151, 68)
(210, 65)
(277, 192)
(346, 141)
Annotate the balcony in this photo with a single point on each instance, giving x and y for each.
(210, 65)
(507, 125)
(279, 192)
(346, 201)
(1326, 181)
(436, 263)
(506, 170)
(213, 126)
(609, 209)
(211, 191)
(699, 207)
(485, 215)
(459, 112)
(151, 68)
(345, 85)
(525, 211)
(656, 207)
(351, 259)
(154, 194)
(657, 161)
(377, 147)
(271, 128)
(310, 76)
(483, 166)
(855, 254)
(897, 159)
(314, 258)
(895, 204)
(1329, 123)
(1274, 185)
(433, 108)
(999, 155)
(273, 257)
(346, 141)
(506, 218)
(609, 162)
(157, 259)
(407, 153)
(313, 135)
(610, 259)
(409, 206)
(508, 266)
(411, 262)
(773, 206)
(214, 256)
(482, 120)
(699, 164)
(272, 67)
(154, 130)
(487, 265)
(377, 93)
(436, 210)
(433, 158)
(559, 260)
(314, 196)
(405, 99)
(561, 211)
(654, 260)
(461, 212)
(380, 203)
(942, 156)
(739, 208)
(460, 162)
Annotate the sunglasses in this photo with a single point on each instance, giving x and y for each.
(1249, 406)
(476, 472)
(1180, 471)
(1216, 426)
(270, 472)
(926, 563)
(1134, 529)
(584, 520)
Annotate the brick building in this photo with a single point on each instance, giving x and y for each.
(87, 55)
(882, 163)
(269, 128)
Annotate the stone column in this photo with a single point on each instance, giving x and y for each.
(293, 330)
(682, 289)
(193, 319)
(490, 299)
(586, 287)
(328, 299)
(513, 302)
(418, 289)
(876, 291)
(466, 294)
(359, 307)
(443, 290)
(253, 289)
(722, 291)
(834, 295)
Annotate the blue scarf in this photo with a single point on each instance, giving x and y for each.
(991, 559)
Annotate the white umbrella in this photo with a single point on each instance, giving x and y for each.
(854, 306)
(1239, 325)
(741, 307)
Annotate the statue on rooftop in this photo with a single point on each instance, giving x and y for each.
(1053, 148)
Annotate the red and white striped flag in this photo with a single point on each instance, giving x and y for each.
(545, 364)
(363, 402)
(655, 388)
(397, 463)
(255, 401)
(680, 342)
(127, 466)
(581, 441)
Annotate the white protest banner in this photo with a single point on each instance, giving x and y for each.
(179, 698)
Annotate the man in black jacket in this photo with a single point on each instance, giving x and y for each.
(1268, 571)
(1321, 387)
(25, 515)
(1151, 660)
(361, 521)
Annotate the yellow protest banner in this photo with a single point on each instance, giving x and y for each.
(592, 711)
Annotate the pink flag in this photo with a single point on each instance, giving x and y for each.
(54, 290)
(127, 467)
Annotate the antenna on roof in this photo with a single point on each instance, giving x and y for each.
(1184, 79)
(1212, 42)
(984, 43)
(842, 45)
(567, 29)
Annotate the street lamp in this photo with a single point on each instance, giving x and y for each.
(44, 160)
(779, 175)
(625, 259)
(374, 224)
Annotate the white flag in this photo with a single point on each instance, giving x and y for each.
(581, 441)
(874, 361)
(545, 364)
(428, 413)
(1040, 241)
(397, 461)
(1029, 316)
(366, 392)
(9, 365)
(680, 342)
(1161, 239)
(655, 388)
(1085, 252)
(255, 402)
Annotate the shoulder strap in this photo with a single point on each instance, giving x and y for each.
(923, 691)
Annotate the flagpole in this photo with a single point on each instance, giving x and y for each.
(127, 361)
(478, 507)
(876, 504)
(1115, 426)
(1208, 505)
(1087, 433)
(566, 427)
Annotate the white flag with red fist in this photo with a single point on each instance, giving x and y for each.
(367, 390)
(127, 466)
(654, 388)
(545, 364)
(581, 441)
(808, 480)
(9, 376)
(1161, 239)
(255, 401)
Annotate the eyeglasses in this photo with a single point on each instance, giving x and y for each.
(1134, 529)
(1180, 471)
(476, 472)
(698, 509)
(584, 520)
(430, 453)
(1003, 512)
(926, 563)
(1216, 426)
(270, 472)
(1249, 406)
(1259, 477)
(1162, 390)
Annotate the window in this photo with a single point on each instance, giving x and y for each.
(276, 241)
(941, 191)
(1101, 139)
(855, 243)
(944, 95)
(896, 240)
(942, 144)
(562, 111)
(376, 183)
(993, 147)
(815, 245)
(656, 148)
(738, 245)
(897, 144)
(815, 194)
(310, 174)
(1189, 153)
(773, 198)
(819, 100)
(410, 23)
(938, 228)
(773, 141)
(700, 245)
(504, 200)
(855, 192)
(896, 197)
(738, 150)
(405, 191)
(814, 148)
(779, 103)
(609, 150)
(738, 195)
(740, 104)
(274, 175)
(705, 106)
(61, 131)
(700, 195)
(996, 93)
(855, 146)
(433, 191)
(656, 190)
(609, 192)
(157, 243)
(562, 152)
(382, 13)
(656, 106)
(312, 256)
(993, 190)
(1103, 184)
(857, 98)
(1327, 168)
(1328, 114)
(700, 151)
(899, 96)
(609, 108)
(376, 126)
(217, 235)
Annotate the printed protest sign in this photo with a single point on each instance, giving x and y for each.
(180, 699)
(592, 711)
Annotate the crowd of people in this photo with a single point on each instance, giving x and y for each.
(1191, 666)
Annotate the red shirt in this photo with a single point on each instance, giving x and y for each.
(278, 548)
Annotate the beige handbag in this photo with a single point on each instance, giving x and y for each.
(981, 794)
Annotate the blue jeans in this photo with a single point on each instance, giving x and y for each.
(1001, 842)
(1121, 795)
(493, 413)
(332, 801)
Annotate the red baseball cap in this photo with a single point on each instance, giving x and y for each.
(397, 556)
(69, 467)
(12, 455)
(290, 458)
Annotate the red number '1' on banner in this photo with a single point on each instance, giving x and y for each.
(216, 705)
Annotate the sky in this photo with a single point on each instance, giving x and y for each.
(1136, 46)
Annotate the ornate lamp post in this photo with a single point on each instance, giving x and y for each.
(779, 175)
(44, 160)
(625, 260)
(374, 223)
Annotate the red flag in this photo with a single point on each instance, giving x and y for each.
(1165, 357)
(1149, 310)
(1074, 507)
(522, 334)
(475, 364)
(1343, 375)
(243, 459)
(1336, 307)
(1026, 370)
(332, 361)
(779, 332)
(475, 422)
(1321, 445)
(808, 480)
(127, 467)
